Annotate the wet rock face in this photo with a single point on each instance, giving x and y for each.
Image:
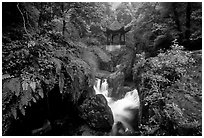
(96, 113)
(107, 66)
(115, 81)
(122, 91)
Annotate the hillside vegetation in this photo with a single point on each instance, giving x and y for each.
(53, 52)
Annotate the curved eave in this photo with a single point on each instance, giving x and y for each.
(114, 30)
(127, 28)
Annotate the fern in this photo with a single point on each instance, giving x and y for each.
(78, 70)
(63, 66)
(81, 64)
(71, 73)
(18, 93)
(58, 65)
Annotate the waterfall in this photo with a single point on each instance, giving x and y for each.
(101, 88)
(123, 109)
(97, 86)
(104, 87)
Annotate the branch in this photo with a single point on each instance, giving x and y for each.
(24, 22)
(28, 19)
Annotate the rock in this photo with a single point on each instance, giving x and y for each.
(42, 130)
(122, 91)
(115, 81)
(102, 74)
(86, 94)
(85, 130)
(96, 113)
(107, 66)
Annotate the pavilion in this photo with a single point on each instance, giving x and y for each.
(116, 29)
(115, 34)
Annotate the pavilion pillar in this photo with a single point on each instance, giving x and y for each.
(107, 39)
(120, 38)
(124, 38)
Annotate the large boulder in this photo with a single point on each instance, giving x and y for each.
(96, 113)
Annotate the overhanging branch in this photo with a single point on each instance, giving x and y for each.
(24, 23)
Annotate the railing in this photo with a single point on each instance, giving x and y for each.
(113, 47)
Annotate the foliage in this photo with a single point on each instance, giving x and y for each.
(91, 41)
(161, 78)
(47, 44)
(179, 12)
(124, 13)
(18, 94)
(50, 51)
(155, 19)
(43, 60)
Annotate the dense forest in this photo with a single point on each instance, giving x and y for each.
(54, 55)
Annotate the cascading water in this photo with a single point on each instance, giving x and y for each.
(123, 109)
(104, 87)
(101, 88)
(97, 87)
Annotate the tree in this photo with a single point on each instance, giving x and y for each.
(124, 14)
(171, 19)
(182, 16)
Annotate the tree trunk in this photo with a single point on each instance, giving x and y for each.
(176, 19)
(188, 19)
(63, 30)
(40, 20)
(51, 10)
(63, 18)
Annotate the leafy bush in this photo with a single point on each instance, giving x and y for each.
(18, 94)
(159, 80)
(90, 41)
(46, 61)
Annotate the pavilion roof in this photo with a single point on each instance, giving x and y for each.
(115, 26)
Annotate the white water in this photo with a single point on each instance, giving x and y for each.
(123, 108)
(101, 88)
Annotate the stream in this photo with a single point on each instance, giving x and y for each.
(125, 110)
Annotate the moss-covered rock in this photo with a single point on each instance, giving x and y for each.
(96, 113)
